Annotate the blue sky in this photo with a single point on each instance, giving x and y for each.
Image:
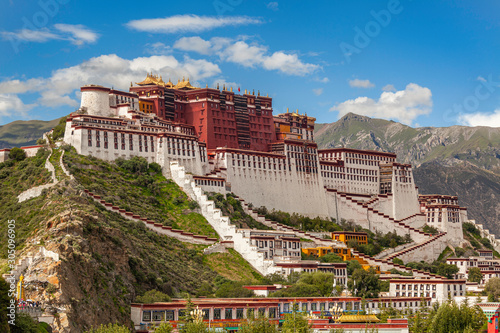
(423, 63)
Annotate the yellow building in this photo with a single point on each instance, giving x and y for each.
(346, 236)
(321, 251)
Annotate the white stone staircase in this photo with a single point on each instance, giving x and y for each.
(222, 224)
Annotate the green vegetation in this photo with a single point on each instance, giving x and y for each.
(17, 154)
(164, 328)
(59, 130)
(110, 328)
(492, 289)
(295, 322)
(232, 266)
(4, 303)
(54, 159)
(430, 230)
(230, 206)
(140, 188)
(330, 257)
(364, 283)
(260, 324)
(308, 285)
(298, 221)
(475, 275)
(153, 296)
(448, 317)
(16, 177)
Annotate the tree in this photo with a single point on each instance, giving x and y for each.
(233, 289)
(260, 324)
(447, 270)
(451, 317)
(352, 266)
(331, 257)
(164, 328)
(309, 284)
(475, 275)
(24, 324)
(153, 296)
(492, 288)
(295, 322)
(364, 283)
(110, 328)
(17, 154)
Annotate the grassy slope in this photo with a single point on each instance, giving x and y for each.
(232, 266)
(24, 133)
(162, 200)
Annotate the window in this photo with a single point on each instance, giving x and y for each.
(158, 315)
(229, 314)
(217, 313)
(146, 316)
(169, 315)
(239, 313)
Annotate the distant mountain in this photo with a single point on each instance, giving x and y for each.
(477, 145)
(456, 160)
(24, 133)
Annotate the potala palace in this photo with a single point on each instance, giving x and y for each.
(217, 140)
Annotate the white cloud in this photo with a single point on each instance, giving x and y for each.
(481, 119)
(77, 34)
(189, 23)
(357, 83)
(27, 35)
(63, 85)
(158, 49)
(195, 44)
(11, 104)
(247, 55)
(323, 80)
(273, 6)
(404, 105)
(388, 87)
(480, 78)
(318, 91)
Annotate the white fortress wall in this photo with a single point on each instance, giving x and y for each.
(284, 190)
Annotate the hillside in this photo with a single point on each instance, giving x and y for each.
(106, 260)
(478, 145)
(439, 153)
(24, 133)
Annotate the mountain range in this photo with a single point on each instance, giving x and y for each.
(457, 160)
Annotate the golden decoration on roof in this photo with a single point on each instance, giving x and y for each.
(184, 84)
(358, 319)
(158, 81)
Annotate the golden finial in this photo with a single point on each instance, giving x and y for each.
(287, 111)
(224, 87)
(231, 89)
(207, 86)
(131, 83)
(245, 91)
(253, 92)
(178, 80)
(217, 86)
(169, 80)
(258, 92)
(188, 79)
(183, 79)
(267, 95)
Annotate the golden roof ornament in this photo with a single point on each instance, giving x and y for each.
(258, 92)
(231, 89)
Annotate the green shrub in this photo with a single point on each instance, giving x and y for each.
(17, 154)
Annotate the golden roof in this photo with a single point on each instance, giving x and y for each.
(184, 84)
(358, 319)
(155, 80)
